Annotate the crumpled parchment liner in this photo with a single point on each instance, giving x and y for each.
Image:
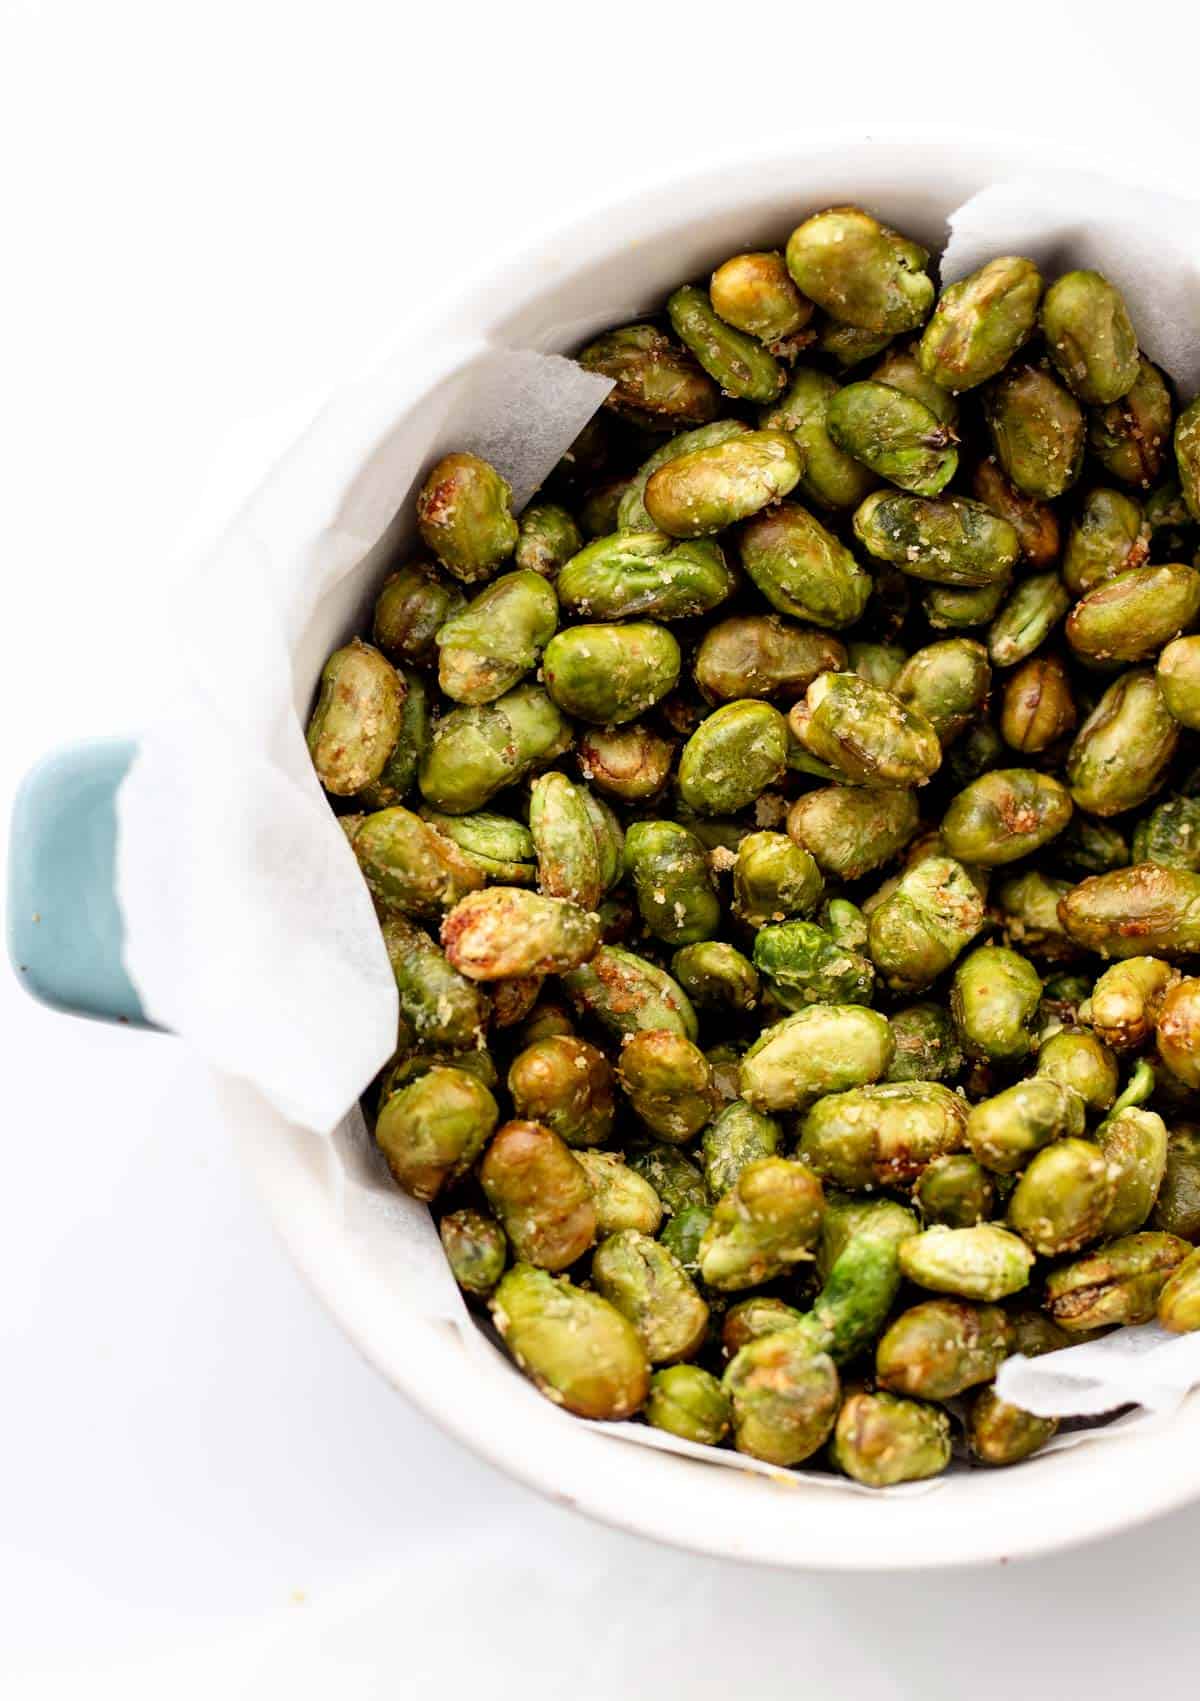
(249, 931)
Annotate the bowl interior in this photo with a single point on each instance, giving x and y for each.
(609, 266)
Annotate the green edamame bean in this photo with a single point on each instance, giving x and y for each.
(862, 273)
(708, 489)
(1037, 431)
(1090, 337)
(980, 322)
(608, 674)
(464, 515)
(894, 434)
(735, 754)
(737, 362)
(802, 569)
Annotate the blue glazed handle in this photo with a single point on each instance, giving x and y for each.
(64, 924)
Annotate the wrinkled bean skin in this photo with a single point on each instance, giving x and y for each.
(866, 734)
(947, 540)
(1121, 752)
(850, 830)
(829, 476)
(893, 434)
(760, 655)
(655, 382)
(802, 569)
(647, 1284)
(766, 1222)
(505, 931)
(644, 573)
(774, 878)
(629, 994)
(738, 1135)
(357, 719)
(926, 1043)
(803, 964)
(491, 644)
(477, 750)
(1120, 1283)
(1035, 522)
(882, 1136)
(576, 858)
(410, 866)
(917, 932)
(980, 322)
(784, 1398)
(1037, 431)
(737, 362)
(1131, 437)
(439, 1005)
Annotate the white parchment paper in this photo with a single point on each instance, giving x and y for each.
(1148, 245)
(249, 930)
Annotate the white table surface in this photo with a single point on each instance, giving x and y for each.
(211, 211)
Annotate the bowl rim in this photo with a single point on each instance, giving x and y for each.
(430, 1363)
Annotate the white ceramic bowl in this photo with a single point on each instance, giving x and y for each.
(600, 271)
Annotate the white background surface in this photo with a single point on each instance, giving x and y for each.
(211, 212)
